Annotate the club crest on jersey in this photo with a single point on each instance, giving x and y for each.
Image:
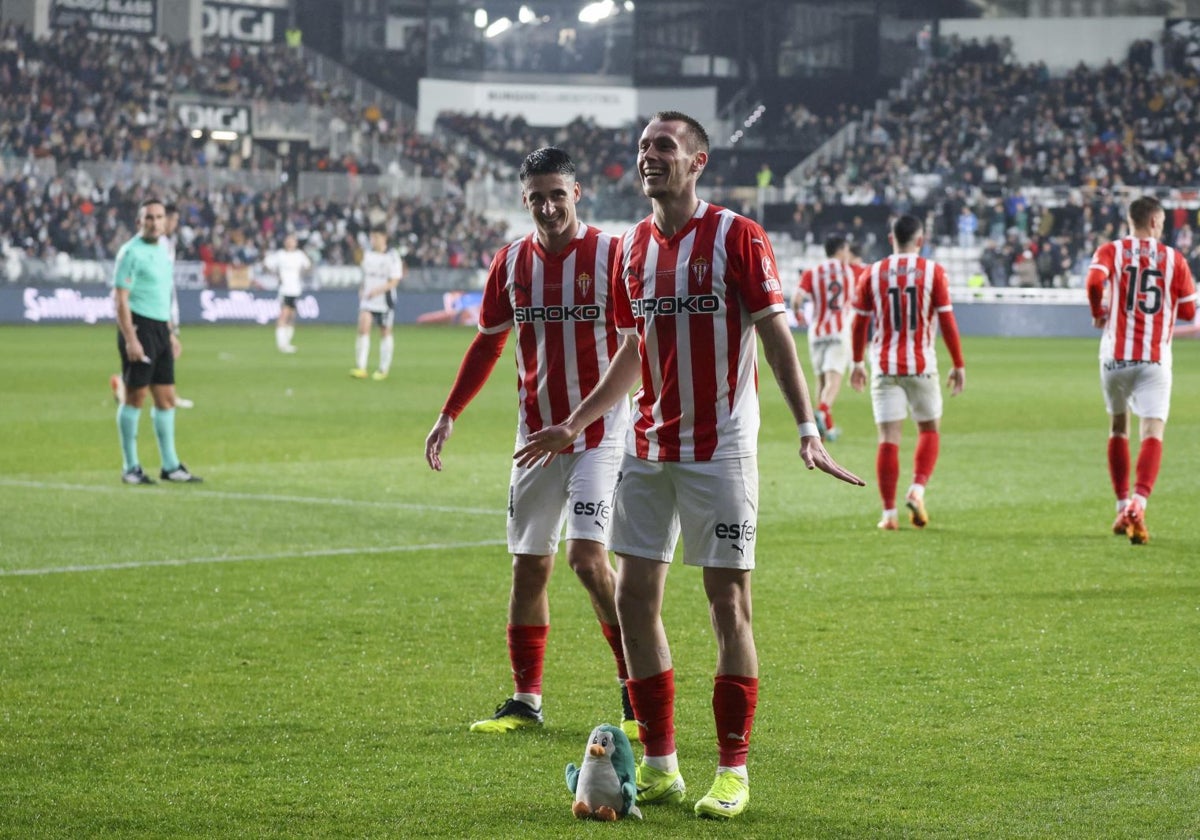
(699, 271)
(583, 283)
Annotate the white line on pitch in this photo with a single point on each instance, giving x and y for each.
(246, 558)
(255, 497)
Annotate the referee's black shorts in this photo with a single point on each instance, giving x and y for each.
(155, 337)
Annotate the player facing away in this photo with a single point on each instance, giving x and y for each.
(1137, 287)
(142, 284)
(552, 285)
(382, 271)
(289, 264)
(899, 296)
(829, 285)
(692, 286)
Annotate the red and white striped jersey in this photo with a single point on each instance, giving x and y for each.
(1144, 282)
(900, 294)
(566, 334)
(829, 285)
(692, 301)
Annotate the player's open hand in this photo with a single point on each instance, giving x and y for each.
(858, 378)
(956, 381)
(543, 446)
(815, 457)
(436, 439)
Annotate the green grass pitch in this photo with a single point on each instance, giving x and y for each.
(296, 647)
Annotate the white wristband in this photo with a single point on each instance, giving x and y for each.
(860, 366)
(808, 430)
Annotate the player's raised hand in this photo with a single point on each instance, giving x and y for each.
(815, 456)
(436, 439)
(543, 446)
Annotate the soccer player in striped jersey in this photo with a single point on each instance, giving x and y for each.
(829, 285)
(899, 296)
(1137, 287)
(693, 284)
(552, 285)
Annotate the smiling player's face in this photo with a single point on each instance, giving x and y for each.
(550, 200)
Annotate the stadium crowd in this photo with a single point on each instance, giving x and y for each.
(962, 144)
(72, 98)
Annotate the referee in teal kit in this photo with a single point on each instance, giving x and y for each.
(142, 285)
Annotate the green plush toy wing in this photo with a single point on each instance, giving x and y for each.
(573, 777)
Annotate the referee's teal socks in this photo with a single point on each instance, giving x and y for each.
(164, 430)
(127, 428)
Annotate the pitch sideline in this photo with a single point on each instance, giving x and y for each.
(246, 558)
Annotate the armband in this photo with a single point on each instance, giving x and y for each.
(808, 430)
(860, 366)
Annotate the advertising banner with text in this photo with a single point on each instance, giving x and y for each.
(116, 17)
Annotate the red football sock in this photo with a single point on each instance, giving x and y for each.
(887, 471)
(925, 458)
(527, 653)
(826, 414)
(1118, 465)
(612, 633)
(1149, 458)
(653, 701)
(734, 700)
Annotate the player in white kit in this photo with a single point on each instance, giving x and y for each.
(382, 271)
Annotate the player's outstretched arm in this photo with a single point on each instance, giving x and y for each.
(780, 351)
(623, 372)
(436, 439)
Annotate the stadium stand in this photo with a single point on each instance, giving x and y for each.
(85, 126)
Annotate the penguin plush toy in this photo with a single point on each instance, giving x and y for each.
(604, 786)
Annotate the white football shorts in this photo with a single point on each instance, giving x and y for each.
(713, 504)
(830, 353)
(576, 489)
(1144, 388)
(892, 397)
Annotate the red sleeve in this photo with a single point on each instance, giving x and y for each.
(858, 335)
(477, 365)
(806, 282)
(622, 308)
(1097, 276)
(1185, 292)
(754, 274)
(496, 312)
(863, 307)
(949, 329)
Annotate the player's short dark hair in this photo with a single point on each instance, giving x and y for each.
(548, 160)
(833, 244)
(1143, 210)
(697, 136)
(170, 207)
(906, 228)
(146, 202)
